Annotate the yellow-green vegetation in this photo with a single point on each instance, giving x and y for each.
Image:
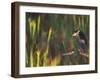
(31, 58)
(45, 56)
(38, 57)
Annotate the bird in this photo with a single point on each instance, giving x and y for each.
(82, 44)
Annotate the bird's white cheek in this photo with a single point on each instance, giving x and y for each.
(74, 34)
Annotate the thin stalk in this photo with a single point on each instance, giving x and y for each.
(45, 56)
(38, 58)
(31, 58)
(49, 35)
(46, 52)
(38, 25)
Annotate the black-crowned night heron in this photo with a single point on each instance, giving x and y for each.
(81, 41)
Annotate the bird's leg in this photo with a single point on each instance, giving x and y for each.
(73, 61)
(84, 56)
